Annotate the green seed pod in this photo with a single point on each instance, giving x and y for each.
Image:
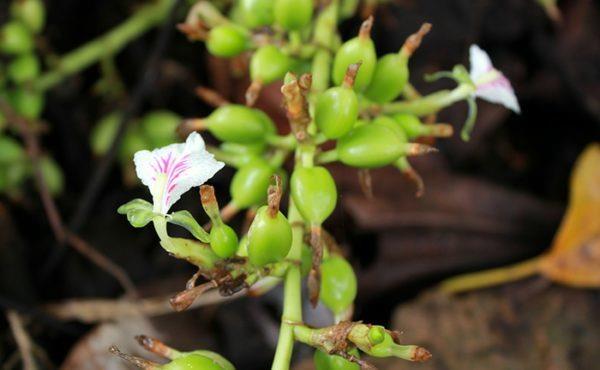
(223, 240)
(357, 50)
(257, 13)
(369, 146)
(31, 12)
(392, 125)
(11, 151)
(104, 133)
(15, 38)
(268, 64)
(27, 103)
(239, 124)
(293, 14)
(244, 153)
(338, 284)
(23, 68)
(314, 193)
(194, 361)
(323, 361)
(389, 78)
(336, 109)
(269, 237)
(255, 149)
(160, 127)
(53, 175)
(14, 176)
(133, 141)
(250, 183)
(411, 124)
(242, 250)
(414, 128)
(227, 40)
(217, 358)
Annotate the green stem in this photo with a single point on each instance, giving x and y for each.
(427, 104)
(328, 156)
(109, 43)
(292, 299)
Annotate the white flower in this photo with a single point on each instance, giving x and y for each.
(172, 170)
(491, 84)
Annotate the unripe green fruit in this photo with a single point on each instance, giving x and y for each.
(53, 175)
(269, 237)
(133, 141)
(192, 361)
(217, 358)
(257, 13)
(15, 174)
(369, 146)
(323, 361)
(160, 127)
(227, 40)
(389, 78)
(239, 124)
(29, 104)
(242, 250)
(255, 149)
(104, 133)
(314, 193)
(23, 68)
(223, 240)
(336, 111)
(411, 124)
(31, 12)
(244, 153)
(15, 38)
(293, 14)
(338, 284)
(268, 64)
(358, 49)
(10, 151)
(391, 123)
(250, 183)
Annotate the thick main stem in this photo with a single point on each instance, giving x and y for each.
(107, 44)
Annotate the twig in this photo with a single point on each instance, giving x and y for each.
(61, 233)
(97, 310)
(22, 339)
(210, 96)
(101, 261)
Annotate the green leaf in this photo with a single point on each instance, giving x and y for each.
(187, 221)
(139, 212)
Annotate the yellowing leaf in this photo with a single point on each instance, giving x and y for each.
(574, 258)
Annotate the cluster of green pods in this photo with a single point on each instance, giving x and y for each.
(19, 66)
(17, 43)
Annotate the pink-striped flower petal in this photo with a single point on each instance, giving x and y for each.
(172, 170)
(490, 83)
